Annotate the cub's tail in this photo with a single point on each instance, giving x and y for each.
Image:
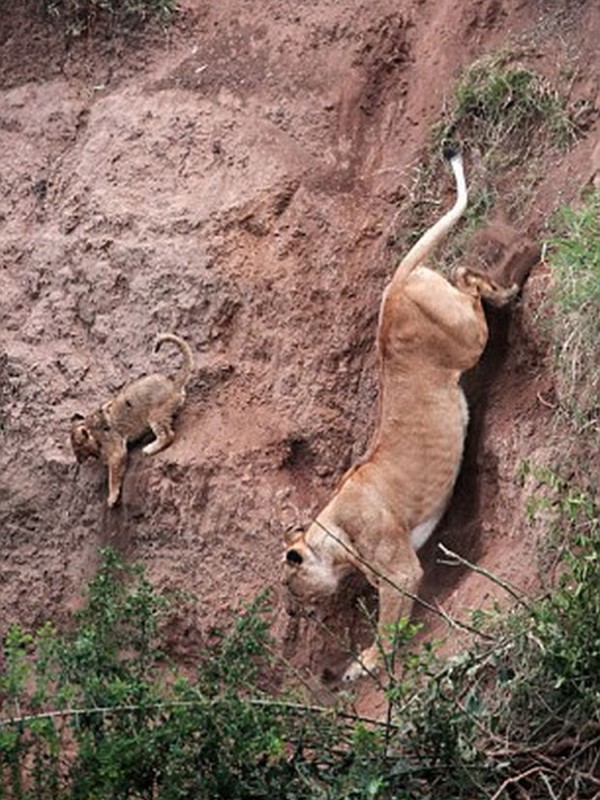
(183, 376)
(436, 233)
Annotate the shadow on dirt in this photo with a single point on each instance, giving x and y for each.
(460, 529)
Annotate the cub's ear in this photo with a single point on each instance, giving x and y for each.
(294, 557)
(77, 417)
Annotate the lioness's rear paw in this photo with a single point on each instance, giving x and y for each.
(497, 295)
(472, 282)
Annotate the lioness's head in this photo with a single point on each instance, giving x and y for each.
(314, 563)
(84, 441)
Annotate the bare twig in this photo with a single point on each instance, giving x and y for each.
(515, 780)
(205, 702)
(457, 560)
(450, 620)
(546, 780)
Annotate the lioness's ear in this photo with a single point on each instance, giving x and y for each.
(77, 416)
(291, 533)
(294, 557)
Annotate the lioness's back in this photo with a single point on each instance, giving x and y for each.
(426, 320)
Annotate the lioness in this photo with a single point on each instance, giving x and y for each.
(386, 507)
(147, 404)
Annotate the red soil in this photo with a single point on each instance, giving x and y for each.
(236, 180)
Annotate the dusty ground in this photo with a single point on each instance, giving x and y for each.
(238, 180)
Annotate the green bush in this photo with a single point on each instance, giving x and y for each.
(574, 256)
(98, 712)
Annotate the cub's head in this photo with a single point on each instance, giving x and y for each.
(85, 439)
(312, 565)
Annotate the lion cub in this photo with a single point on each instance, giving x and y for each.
(146, 405)
(386, 507)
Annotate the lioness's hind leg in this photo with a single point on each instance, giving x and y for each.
(471, 282)
(164, 434)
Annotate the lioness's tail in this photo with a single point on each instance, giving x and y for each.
(183, 376)
(437, 232)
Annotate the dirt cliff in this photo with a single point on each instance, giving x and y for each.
(241, 179)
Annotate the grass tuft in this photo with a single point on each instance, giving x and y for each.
(504, 115)
(574, 255)
(79, 17)
(506, 110)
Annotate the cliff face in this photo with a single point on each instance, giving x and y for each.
(240, 181)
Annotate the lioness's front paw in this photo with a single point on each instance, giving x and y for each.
(365, 664)
(354, 672)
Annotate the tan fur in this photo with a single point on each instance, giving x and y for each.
(385, 507)
(145, 405)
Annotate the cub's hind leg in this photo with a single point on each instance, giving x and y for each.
(160, 422)
(163, 433)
